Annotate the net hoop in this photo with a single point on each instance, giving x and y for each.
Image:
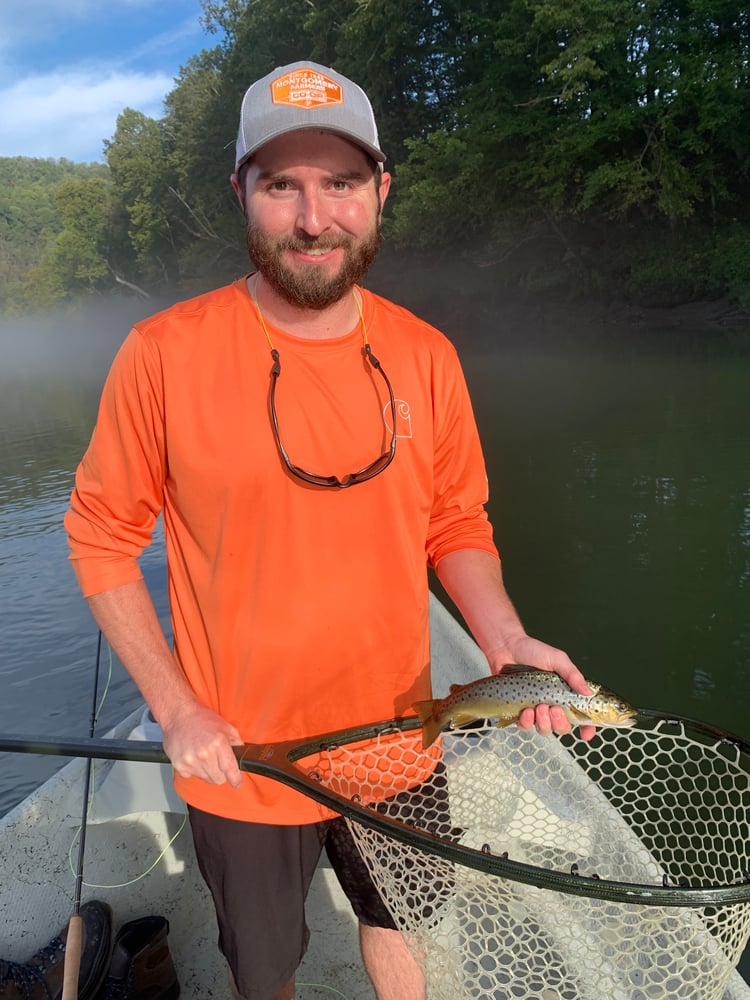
(732, 748)
(516, 909)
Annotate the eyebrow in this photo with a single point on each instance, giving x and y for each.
(347, 175)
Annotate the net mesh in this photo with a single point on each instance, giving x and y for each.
(655, 806)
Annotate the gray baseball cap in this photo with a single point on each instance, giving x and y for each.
(305, 95)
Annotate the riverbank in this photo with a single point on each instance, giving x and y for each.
(474, 310)
(465, 302)
(531, 318)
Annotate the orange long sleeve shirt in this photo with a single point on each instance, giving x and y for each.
(295, 609)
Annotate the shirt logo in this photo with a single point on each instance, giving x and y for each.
(403, 418)
(306, 88)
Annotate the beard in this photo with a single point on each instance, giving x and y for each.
(310, 287)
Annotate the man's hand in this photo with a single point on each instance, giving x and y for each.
(199, 743)
(547, 719)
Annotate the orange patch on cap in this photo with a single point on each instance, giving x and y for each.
(306, 88)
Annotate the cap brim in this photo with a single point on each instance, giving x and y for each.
(372, 151)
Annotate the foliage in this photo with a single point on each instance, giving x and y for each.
(138, 158)
(728, 263)
(572, 145)
(77, 260)
(30, 220)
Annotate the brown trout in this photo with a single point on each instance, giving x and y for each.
(504, 696)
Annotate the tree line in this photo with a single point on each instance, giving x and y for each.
(587, 147)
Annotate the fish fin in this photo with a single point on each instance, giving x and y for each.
(502, 723)
(520, 668)
(461, 718)
(424, 709)
(430, 732)
(455, 687)
(431, 728)
(578, 715)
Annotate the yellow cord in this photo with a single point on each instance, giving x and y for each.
(254, 297)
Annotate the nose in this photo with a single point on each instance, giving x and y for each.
(313, 217)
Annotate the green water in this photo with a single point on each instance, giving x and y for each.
(620, 495)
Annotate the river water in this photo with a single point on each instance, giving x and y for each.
(51, 373)
(620, 494)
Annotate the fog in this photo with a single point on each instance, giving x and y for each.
(69, 343)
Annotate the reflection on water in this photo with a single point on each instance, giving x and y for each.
(620, 489)
(50, 379)
(47, 637)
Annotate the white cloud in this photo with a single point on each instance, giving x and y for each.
(69, 67)
(183, 32)
(70, 113)
(23, 21)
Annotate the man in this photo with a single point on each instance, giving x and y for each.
(298, 588)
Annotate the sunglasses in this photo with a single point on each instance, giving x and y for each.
(353, 478)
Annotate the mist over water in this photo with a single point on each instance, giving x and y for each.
(51, 373)
(73, 345)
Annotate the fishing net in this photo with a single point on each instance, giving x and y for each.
(614, 869)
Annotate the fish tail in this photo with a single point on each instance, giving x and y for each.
(431, 727)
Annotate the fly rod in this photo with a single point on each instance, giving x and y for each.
(74, 943)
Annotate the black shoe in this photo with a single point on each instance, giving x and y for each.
(41, 978)
(141, 965)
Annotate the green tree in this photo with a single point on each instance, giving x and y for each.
(650, 93)
(143, 177)
(571, 115)
(30, 222)
(562, 143)
(206, 221)
(76, 263)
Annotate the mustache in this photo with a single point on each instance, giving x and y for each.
(302, 242)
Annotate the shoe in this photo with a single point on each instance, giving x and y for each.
(41, 978)
(141, 965)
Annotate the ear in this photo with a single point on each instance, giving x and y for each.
(238, 190)
(383, 188)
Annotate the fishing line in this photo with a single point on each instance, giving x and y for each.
(80, 832)
(323, 986)
(137, 878)
(105, 692)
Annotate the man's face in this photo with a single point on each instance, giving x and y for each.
(313, 216)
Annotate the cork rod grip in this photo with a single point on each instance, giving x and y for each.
(72, 965)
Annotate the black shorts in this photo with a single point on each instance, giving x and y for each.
(259, 876)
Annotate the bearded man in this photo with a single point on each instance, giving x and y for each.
(312, 449)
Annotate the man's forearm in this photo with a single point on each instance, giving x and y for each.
(473, 580)
(128, 620)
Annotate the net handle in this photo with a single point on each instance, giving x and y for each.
(278, 761)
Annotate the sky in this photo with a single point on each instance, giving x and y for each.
(69, 67)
